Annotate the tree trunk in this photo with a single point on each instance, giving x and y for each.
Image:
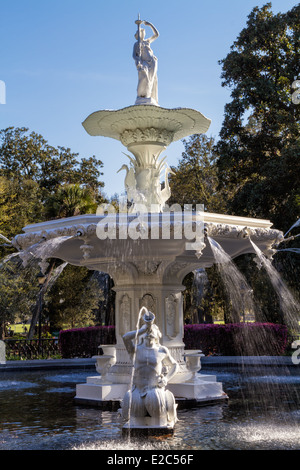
(38, 304)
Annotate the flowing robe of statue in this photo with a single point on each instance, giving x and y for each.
(146, 64)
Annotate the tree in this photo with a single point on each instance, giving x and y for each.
(73, 299)
(258, 164)
(195, 179)
(37, 182)
(20, 204)
(18, 292)
(35, 176)
(26, 157)
(70, 200)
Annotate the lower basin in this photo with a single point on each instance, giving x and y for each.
(263, 413)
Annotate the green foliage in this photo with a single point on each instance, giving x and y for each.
(24, 156)
(20, 204)
(195, 179)
(73, 299)
(70, 200)
(259, 143)
(253, 169)
(38, 182)
(18, 292)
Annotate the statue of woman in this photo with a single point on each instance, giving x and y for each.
(146, 64)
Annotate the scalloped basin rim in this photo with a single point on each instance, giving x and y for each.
(182, 122)
(94, 219)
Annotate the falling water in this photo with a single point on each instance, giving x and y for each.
(200, 282)
(43, 249)
(37, 252)
(289, 306)
(199, 289)
(296, 224)
(244, 342)
(56, 273)
(242, 301)
(5, 239)
(8, 258)
(293, 250)
(235, 283)
(133, 366)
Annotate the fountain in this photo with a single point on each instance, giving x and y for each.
(149, 247)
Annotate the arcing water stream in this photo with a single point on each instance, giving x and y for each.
(289, 305)
(235, 283)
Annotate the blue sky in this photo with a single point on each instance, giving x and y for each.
(61, 60)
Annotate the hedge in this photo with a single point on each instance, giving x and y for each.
(84, 342)
(232, 339)
(237, 339)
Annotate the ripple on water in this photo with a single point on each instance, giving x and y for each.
(60, 390)
(15, 385)
(128, 444)
(273, 379)
(69, 378)
(267, 436)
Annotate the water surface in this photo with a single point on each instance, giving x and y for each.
(38, 412)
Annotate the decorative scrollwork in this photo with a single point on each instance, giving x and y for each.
(150, 134)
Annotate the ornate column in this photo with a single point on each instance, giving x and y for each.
(157, 285)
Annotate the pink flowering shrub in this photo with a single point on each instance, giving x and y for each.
(237, 339)
(84, 342)
(232, 339)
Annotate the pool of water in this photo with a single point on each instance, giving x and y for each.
(38, 412)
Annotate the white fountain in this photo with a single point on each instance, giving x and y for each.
(150, 248)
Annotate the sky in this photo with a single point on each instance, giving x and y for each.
(62, 60)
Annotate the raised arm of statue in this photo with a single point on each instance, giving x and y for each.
(155, 32)
(130, 339)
